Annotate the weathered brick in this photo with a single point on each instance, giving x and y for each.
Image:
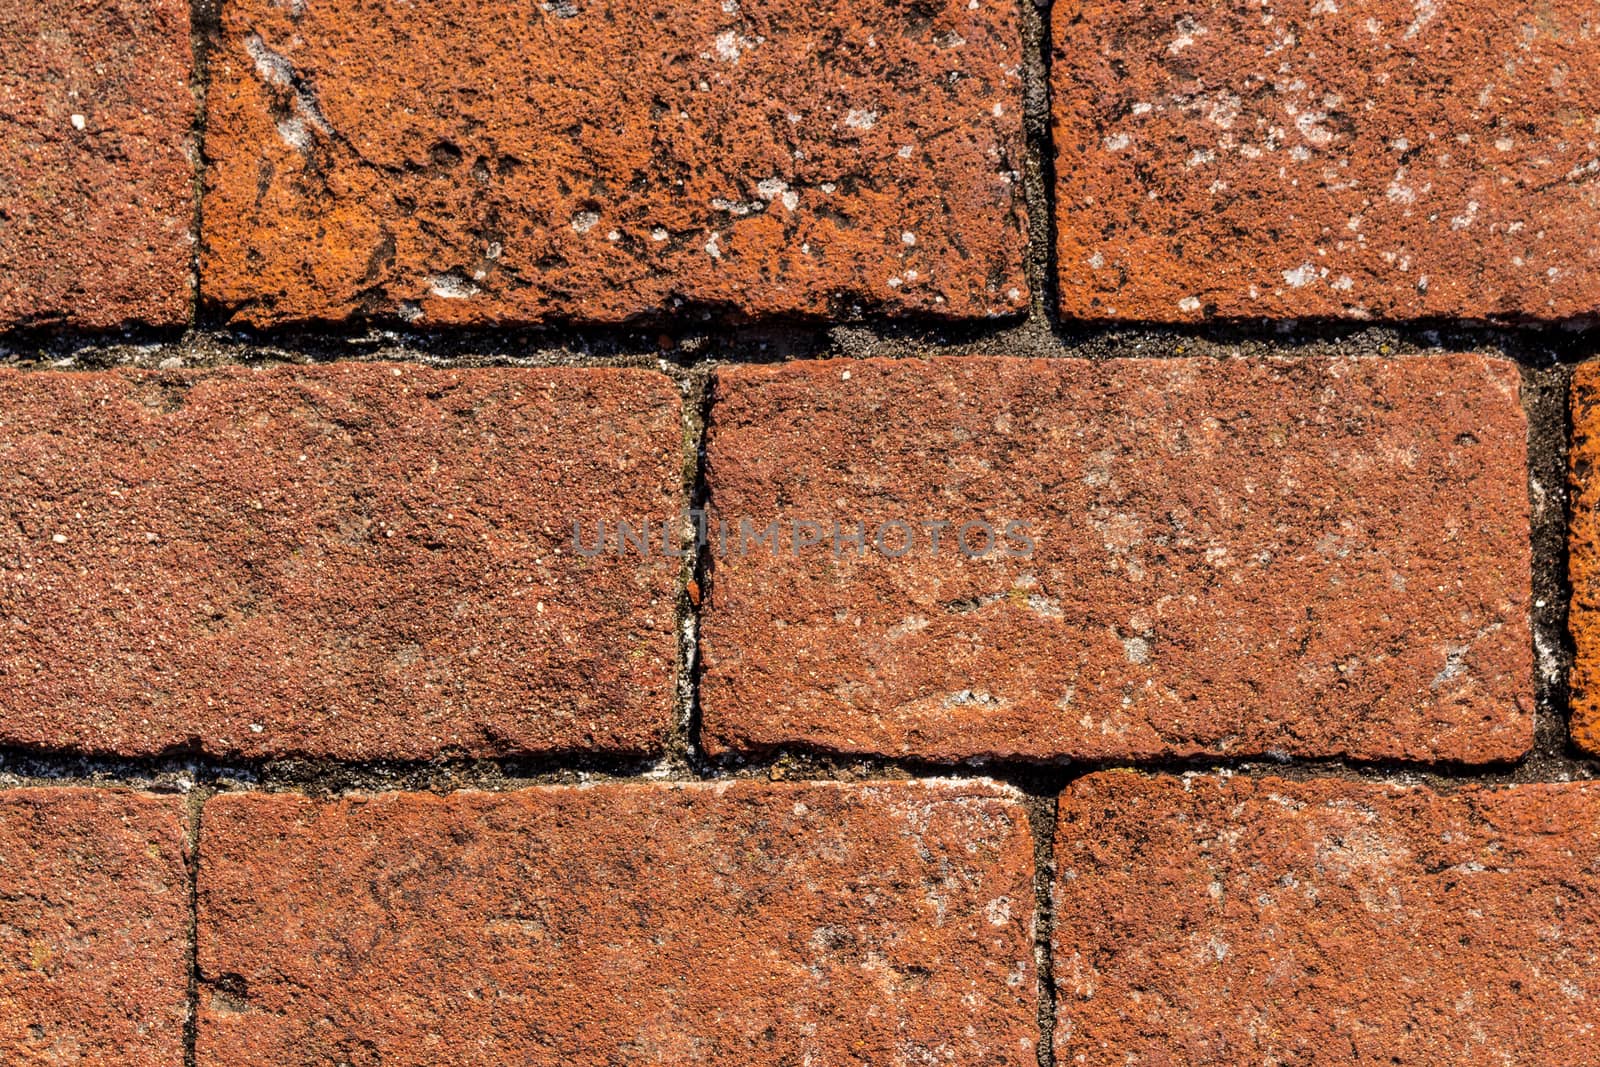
(1231, 920)
(352, 560)
(748, 923)
(1584, 556)
(603, 161)
(97, 179)
(1370, 158)
(94, 921)
(1315, 556)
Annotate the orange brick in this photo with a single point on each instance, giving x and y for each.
(96, 179)
(1584, 561)
(1319, 557)
(745, 923)
(474, 163)
(94, 928)
(1360, 159)
(359, 561)
(1209, 920)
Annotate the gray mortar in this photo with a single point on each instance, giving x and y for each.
(191, 1019)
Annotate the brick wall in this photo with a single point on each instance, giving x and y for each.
(753, 532)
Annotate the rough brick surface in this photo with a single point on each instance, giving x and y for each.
(1219, 921)
(601, 161)
(96, 179)
(1318, 556)
(1584, 556)
(1366, 158)
(94, 920)
(752, 923)
(354, 560)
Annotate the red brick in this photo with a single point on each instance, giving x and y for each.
(94, 928)
(1314, 556)
(1366, 158)
(1216, 920)
(748, 923)
(1584, 556)
(467, 163)
(354, 560)
(97, 179)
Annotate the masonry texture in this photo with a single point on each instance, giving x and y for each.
(1227, 556)
(94, 919)
(356, 560)
(1231, 920)
(883, 532)
(1585, 478)
(97, 177)
(1375, 159)
(746, 923)
(450, 164)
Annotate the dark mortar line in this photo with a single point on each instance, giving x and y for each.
(205, 31)
(1042, 809)
(24, 768)
(191, 1025)
(681, 756)
(1545, 396)
(1056, 775)
(688, 346)
(698, 577)
(21, 768)
(1038, 165)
